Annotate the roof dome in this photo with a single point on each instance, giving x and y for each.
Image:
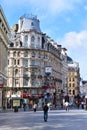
(29, 22)
(69, 59)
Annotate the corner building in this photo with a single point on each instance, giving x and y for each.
(34, 63)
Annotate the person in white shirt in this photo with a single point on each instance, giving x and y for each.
(67, 105)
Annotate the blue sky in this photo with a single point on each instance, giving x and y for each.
(65, 21)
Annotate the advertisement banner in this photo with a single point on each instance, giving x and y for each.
(16, 103)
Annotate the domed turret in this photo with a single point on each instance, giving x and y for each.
(27, 23)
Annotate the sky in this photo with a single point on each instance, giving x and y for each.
(65, 21)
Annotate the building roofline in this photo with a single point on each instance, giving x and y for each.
(5, 19)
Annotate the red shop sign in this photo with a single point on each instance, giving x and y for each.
(1, 85)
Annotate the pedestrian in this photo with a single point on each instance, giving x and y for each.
(82, 104)
(24, 106)
(35, 107)
(45, 109)
(67, 106)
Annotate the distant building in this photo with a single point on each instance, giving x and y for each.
(73, 78)
(4, 29)
(64, 70)
(83, 88)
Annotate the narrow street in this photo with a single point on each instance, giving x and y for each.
(58, 120)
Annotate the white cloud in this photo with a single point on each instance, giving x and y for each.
(75, 40)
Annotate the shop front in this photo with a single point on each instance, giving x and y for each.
(12, 99)
(32, 98)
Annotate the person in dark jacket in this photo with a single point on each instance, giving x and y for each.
(67, 98)
(45, 109)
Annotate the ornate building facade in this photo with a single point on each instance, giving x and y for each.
(4, 29)
(34, 61)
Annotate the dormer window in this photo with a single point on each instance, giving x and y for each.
(26, 38)
(32, 24)
(17, 44)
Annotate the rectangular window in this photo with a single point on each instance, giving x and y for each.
(70, 85)
(33, 82)
(25, 82)
(73, 85)
(26, 41)
(33, 91)
(32, 62)
(16, 82)
(73, 79)
(18, 62)
(14, 62)
(25, 62)
(69, 79)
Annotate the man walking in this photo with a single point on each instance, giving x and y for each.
(45, 109)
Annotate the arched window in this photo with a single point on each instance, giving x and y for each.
(73, 92)
(33, 54)
(19, 53)
(69, 91)
(32, 39)
(26, 54)
(38, 39)
(17, 82)
(14, 53)
(16, 71)
(26, 41)
(32, 24)
(26, 38)
(14, 61)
